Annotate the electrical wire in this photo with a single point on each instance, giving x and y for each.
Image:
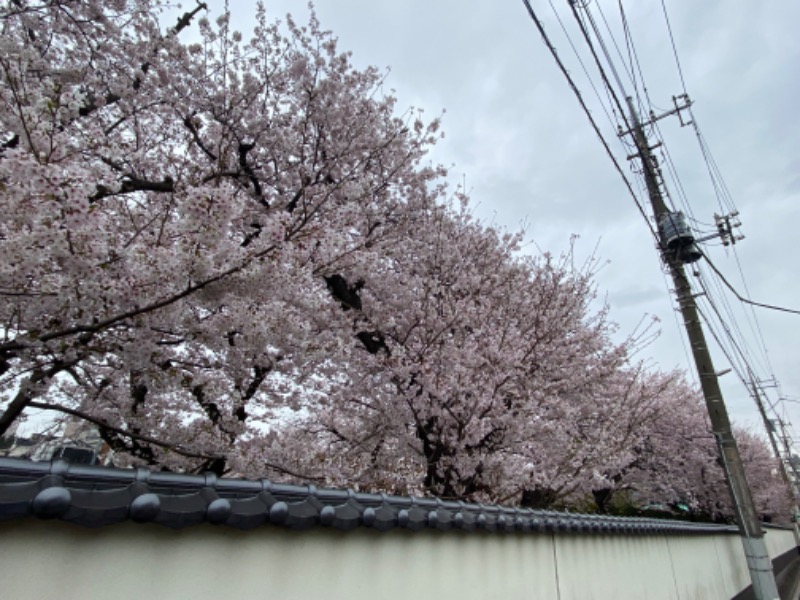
(734, 332)
(583, 66)
(672, 171)
(726, 204)
(599, 64)
(721, 191)
(733, 350)
(744, 342)
(719, 315)
(654, 127)
(758, 330)
(628, 70)
(747, 310)
(745, 374)
(732, 361)
(742, 298)
(725, 201)
(739, 338)
(633, 58)
(674, 48)
(603, 47)
(646, 166)
(740, 360)
(722, 297)
(588, 113)
(614, 122)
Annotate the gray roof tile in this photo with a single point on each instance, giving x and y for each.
(94, 496)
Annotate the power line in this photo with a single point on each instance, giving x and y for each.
(674, 48)
(726, 204)
(634, 58)
(746, 309)
(739, 338)
(724, 198)
(588, 113)
(730, 325)
(736, 354)
(758, 330)
(603, 46)
(583, 66)
(628, 70)
(599, 64)
(736, 348)
(742, 298)
(725, 351)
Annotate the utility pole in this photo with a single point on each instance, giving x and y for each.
(772, 434)
(785, 440)
(678, 248)
(791, 490)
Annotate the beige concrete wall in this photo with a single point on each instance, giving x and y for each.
(734, 574)
(48, 560)
(604, 567)
(779, 541)
(52, 560)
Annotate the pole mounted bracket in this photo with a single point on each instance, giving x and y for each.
(687, 102)
(681, 102)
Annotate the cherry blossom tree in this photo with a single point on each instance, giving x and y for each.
(171, 212)
(773, 497)
(231, 254)
(674, 459)
(490, 376)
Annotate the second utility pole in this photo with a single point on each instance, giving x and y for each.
(758, 560)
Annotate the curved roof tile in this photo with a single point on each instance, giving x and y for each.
(94, 496)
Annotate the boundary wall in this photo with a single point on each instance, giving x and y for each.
(46, 560)
(72, 532)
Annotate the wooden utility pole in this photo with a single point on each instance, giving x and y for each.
(755, 549)
(772, 434)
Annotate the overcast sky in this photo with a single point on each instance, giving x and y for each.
(517, 135)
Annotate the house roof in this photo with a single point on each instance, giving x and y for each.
(94, 496)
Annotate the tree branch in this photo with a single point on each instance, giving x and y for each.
(185, 20)
(248, 170)
(189, 124)
(132, 184)
(124, 432)
(109, 99)
(24, 396)
(88, 331)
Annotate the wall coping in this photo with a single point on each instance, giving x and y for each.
(94, 496)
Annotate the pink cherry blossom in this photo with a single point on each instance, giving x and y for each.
(233, 255)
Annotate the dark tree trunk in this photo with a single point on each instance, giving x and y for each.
(538, 498)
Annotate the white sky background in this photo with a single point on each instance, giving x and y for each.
(517, 135)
